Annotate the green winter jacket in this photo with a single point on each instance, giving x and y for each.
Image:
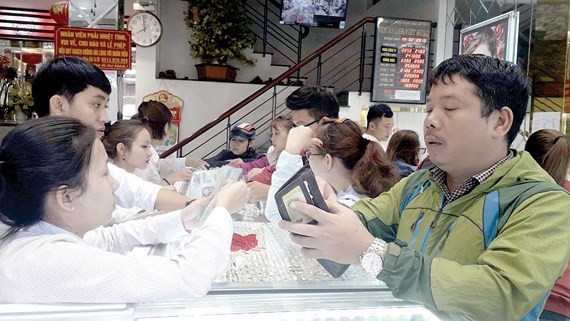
(446, 267)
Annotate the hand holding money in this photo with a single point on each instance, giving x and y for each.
(191, 214)
(233, 196)
(258, 191)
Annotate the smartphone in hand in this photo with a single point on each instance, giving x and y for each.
(302, 186)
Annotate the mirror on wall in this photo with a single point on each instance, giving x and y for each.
(25, 56)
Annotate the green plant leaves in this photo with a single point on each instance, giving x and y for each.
(219, 31)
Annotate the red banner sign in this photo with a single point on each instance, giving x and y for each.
(107, 49)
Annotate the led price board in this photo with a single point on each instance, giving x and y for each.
(401, 53)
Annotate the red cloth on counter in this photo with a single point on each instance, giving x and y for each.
(244, 243)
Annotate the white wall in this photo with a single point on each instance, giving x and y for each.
(203, 100)
(174, 48)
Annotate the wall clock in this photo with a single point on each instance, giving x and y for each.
(146, 28)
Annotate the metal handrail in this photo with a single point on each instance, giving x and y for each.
(268, 86)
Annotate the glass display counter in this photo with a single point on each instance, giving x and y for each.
(270, 280)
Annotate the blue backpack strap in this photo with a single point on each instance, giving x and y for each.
(416, 184)
(490, 217)
(498, 207)
(501, 203)
(535, 312)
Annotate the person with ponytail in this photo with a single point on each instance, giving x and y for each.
(350, 163)
(551, 150)
(164, 171)
(127, 144)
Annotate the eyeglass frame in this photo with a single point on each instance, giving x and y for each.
(327, 120)
(306, 125)
(308, 154)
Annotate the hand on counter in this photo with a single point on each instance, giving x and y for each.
(183, 174)
(196, 163)
(235, 161)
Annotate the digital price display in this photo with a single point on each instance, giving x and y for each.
(401, 54)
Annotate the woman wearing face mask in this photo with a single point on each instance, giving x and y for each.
(53, 223)
(164, 171)
(551, 150)
(128, 145)
(351, 164)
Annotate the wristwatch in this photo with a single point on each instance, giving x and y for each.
(372, 260)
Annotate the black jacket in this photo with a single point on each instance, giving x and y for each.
(224, 156)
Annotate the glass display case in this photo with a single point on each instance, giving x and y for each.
(268, 279)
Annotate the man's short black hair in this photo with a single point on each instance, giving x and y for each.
(499, 83)
(317, 100)
(66, 76)
(378, 111)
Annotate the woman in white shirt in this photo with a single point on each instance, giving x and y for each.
(57, 191)
(128, 145)
(164, 171)
(354, 167)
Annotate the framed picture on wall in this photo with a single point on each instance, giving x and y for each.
(496, 37)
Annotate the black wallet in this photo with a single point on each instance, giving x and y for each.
(303, 187)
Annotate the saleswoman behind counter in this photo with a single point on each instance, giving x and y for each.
(57, 191)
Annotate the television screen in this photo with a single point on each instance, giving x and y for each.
(314, 13)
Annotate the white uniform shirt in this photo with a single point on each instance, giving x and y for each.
(46, 264)
(287, 165)
(160, 167)
(133, 190)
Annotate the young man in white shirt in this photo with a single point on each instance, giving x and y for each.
(308, 106)
(379, 123)
(71, 86)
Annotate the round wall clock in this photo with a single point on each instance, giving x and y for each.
(146, 28)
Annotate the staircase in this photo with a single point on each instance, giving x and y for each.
(265, 69)
(342, 64)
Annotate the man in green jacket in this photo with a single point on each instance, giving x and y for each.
(485, 233)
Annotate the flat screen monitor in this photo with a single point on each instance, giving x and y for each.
(314, 13)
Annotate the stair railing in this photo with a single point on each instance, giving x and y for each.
(354, 49)
(275, 38)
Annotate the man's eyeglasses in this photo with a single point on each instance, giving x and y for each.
(306, 125)
(308, 154)
(326, 120)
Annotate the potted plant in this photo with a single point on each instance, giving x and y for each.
(20, 100)
(219, 34)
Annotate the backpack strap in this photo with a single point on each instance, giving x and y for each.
(415, 185)
(498, 207)
(501, 203)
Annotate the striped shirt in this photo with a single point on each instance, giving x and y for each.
(46, 264)
(469, 184)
